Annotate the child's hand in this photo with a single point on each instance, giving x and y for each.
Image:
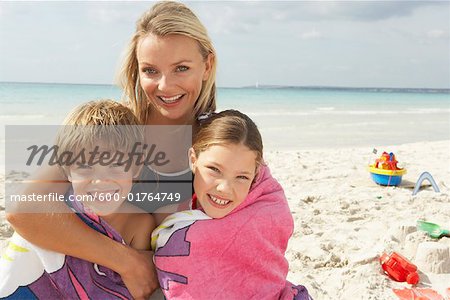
(139, 274)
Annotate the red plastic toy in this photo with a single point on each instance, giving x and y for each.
(417, 294)
(387, 161)
(399, 268)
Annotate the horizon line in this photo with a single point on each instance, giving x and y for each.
(258, 86)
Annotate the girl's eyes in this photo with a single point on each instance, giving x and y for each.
(217, 171)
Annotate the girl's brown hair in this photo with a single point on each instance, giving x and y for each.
(228, 127)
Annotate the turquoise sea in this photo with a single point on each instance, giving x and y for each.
(289, 117)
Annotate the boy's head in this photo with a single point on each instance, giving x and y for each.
(94, 147)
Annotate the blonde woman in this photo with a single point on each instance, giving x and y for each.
(168, 78)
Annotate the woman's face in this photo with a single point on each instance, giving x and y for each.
(171, 73)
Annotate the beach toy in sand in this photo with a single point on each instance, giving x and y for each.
(385, 170)
(399, 268)
(434, 230)
(422, 177)
(417, 294)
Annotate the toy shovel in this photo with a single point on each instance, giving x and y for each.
(433, 230)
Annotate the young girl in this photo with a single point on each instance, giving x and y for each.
(231, 244)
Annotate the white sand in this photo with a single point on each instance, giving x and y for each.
(343, 221)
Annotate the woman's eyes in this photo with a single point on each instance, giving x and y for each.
(182, 68)
(149, 71)
(243, 177)
(152, 71)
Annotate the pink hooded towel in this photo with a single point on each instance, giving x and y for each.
(240, 256)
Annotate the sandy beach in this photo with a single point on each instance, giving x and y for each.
(326, 82)
(343, 220)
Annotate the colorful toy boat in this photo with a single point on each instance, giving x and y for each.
(385, 170)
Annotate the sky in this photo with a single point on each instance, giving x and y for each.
(295, 43)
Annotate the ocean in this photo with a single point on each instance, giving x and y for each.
(292, 118)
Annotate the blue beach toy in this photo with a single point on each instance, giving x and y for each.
(385, 170)
(422, 177)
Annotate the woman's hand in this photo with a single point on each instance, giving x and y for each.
(138, 273)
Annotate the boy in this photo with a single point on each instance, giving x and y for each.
(101, 182)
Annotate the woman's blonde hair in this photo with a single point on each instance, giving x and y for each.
(228, 127)
(166, 18)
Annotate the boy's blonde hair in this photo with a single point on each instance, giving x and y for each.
(105, 123)
(166, 18)
(101, 112)
(228, 127)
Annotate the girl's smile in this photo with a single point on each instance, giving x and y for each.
(219, 203)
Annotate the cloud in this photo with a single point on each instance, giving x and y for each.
(114, 12)
(311, 35)
(365, 11)
(247, 16)
(105, 15)
(233, 17)
(437, 34)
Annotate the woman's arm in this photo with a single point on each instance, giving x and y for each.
(66, 233)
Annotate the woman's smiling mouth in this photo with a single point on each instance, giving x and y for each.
(170, 100)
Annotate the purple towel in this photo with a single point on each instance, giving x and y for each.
(30, 272)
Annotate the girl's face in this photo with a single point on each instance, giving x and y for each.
(171, 73)
(223, 176)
